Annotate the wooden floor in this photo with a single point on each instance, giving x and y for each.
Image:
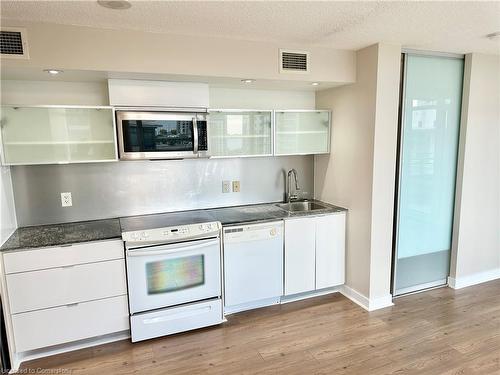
(441, 331)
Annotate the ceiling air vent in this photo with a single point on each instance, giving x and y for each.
(294, 61)
(13, 43)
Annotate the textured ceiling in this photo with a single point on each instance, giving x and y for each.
(442, 26)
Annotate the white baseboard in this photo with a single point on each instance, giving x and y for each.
(63, 348)
(474, 279)
(228, 310)
(306, 295)
(363, 301)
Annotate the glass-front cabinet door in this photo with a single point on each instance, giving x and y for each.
(302, 132)
(240, 133)
(51, 135)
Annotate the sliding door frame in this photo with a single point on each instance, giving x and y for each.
(401, 123)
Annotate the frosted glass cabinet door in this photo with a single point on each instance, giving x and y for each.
(240, 133)
(302, 132)
(46, 135)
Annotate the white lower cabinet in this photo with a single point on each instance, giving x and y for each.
(314, 253)
(299, 255)
(59, 325)
(69, 284)
(64, 294)
(330, 250)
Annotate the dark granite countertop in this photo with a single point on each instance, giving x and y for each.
(226, 215)
(63, 234)
(265, 212)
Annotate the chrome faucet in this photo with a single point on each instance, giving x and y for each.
(289, 196)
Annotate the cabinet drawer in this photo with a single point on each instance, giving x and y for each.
(59, 286)
(42, 328)
(51, 257)
(175, 319)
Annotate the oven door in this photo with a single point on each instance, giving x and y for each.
(158, 135)
(169, 275)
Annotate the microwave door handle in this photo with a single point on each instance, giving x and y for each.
(169, 249)
(195, 135)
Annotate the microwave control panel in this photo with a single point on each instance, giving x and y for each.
(202, 136)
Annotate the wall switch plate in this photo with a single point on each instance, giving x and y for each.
(236, 186)
(66, 200)
(226, 186)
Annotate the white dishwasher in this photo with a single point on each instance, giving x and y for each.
(253, 266)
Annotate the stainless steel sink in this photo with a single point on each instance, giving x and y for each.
(300, 206)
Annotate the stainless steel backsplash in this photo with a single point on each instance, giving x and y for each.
(116, 189)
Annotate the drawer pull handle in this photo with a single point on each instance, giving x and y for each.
(184, 314)
(72, 304)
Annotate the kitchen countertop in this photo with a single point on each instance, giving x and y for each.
(265, 212)
(62, 234)
(226, 215)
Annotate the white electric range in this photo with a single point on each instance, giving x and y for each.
(173, 275)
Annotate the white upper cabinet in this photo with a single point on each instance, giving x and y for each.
(240, 133)
(302, 132)
(51, 135)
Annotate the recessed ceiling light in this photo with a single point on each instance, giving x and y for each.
(247, 80)
(494, 35)
(315, 83)
(53, 71)
(114, 4)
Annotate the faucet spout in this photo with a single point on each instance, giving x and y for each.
(288, 192)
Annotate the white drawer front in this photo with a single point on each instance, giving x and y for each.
(42, 328)
(51, 257)
(175, 319)
(59, 286)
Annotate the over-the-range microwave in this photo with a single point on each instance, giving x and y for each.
(150, 133)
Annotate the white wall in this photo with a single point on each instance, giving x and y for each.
(476, 242)
(344, 177)
(54, 93)
(7, 209)
(384, 169)
(359, 172)
(91, 49)
(96, 93)
(261, 99)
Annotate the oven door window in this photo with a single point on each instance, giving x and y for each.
(171, 275)
(157, 135)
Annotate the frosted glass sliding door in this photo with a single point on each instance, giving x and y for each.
(431, 106)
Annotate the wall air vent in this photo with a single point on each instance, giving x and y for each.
(13, 43)
(294, 61)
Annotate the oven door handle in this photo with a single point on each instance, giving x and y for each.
(174, 248)
(195, 135)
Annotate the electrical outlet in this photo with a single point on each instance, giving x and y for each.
(226, 186)
(66, 200)
(236, 186)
